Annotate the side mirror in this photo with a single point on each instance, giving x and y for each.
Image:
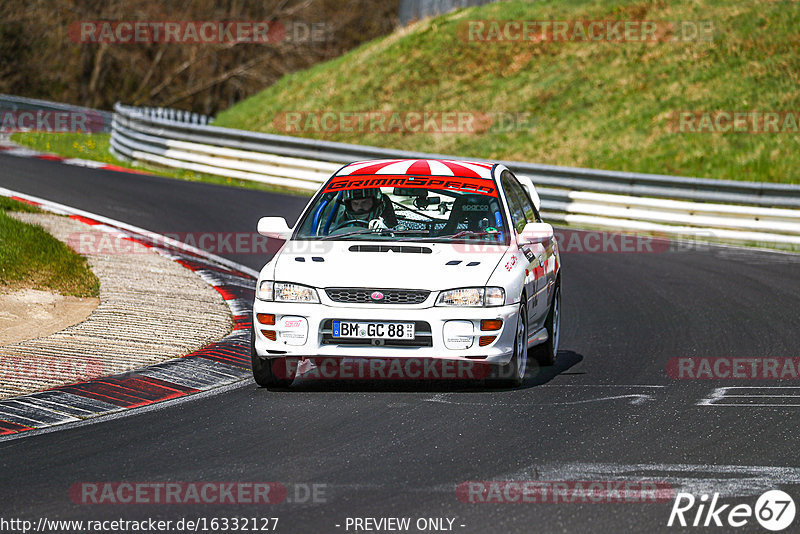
(535, 232)
(274, 227)
(528, 183)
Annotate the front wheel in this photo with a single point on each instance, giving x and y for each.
(512, 373)
(545, 354)
(269, 372)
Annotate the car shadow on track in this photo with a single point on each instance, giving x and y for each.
(534, 376)
(537, 376)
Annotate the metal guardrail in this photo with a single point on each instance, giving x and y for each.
(730, 210)
(673, 205)
(147, 135)
(18, 103)
(419, 9)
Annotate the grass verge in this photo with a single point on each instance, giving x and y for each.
(597, 104)
(32, 258)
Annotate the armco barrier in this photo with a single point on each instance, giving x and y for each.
(726, 209)
(18, 103)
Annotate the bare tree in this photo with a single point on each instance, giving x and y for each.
(41, 57)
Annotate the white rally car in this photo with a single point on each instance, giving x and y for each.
(423, 259)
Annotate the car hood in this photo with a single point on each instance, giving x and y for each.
(377, 264)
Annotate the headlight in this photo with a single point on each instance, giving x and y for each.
(472, 297)
(495, 296)
(265, 290)
(286, 292)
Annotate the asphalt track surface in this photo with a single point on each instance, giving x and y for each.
(606, 411)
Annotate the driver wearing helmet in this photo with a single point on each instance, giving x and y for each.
(366, 208)
(363, 204)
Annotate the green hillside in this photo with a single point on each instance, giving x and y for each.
(600, 104)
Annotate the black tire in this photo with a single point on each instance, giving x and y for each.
(545, 354)
(513, 373)
(264, 368)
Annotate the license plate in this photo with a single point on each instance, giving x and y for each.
(355, 329)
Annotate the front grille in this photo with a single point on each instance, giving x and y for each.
(355, 295)
(423, 337)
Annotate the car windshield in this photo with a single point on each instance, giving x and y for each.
(406, 208)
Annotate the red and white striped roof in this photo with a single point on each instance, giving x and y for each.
(419, 167)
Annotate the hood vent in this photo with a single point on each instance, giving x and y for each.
(458, 262)
(403, 249)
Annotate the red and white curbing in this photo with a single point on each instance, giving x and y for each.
(13, 149)
(216, 365)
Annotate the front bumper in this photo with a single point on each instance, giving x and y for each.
(316, 341)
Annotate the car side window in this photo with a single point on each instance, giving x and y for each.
(531, 214)
(515, 203)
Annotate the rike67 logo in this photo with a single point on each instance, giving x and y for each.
(774, 510)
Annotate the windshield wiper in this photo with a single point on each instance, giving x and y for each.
(357, 232)
(466, 233)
